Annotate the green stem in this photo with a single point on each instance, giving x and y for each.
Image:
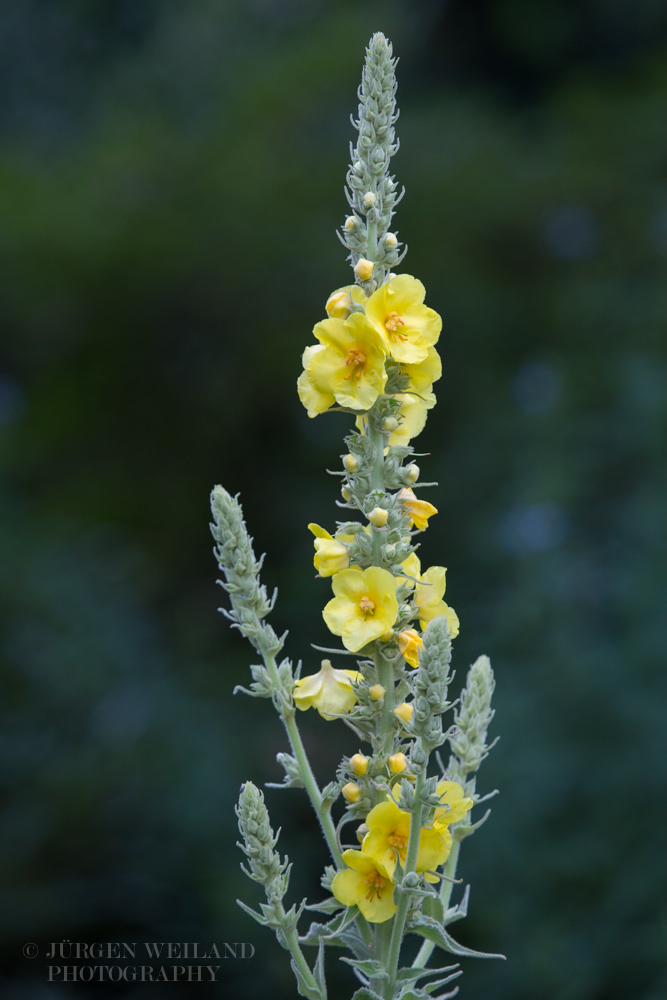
(404, 898)
(312, 787)
(445, 894)
(305, 770)
(292, 939)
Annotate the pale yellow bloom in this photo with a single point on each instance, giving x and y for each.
(428, 599)
(340, 302)
(451, 795)
(388, 834)
(397, 762)
(365, 883)
(404, 711)
(364, 606)
(351, 792)
(410, 643)
(378, 517)
(413, 568)
(363, 269)
(331, 555)
(407, 326)
(313, 399)
(351, 365)
(419, 510)
(359, 763)
(330, 691)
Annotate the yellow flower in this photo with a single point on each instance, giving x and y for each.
(351, 365)
(418, 398)
(351, 792)
(314, 400)
(359, 763)
(363, 269)
(340, 302)
(429, 602)
(364, 607)
(330, 691)
(451, 794)
(366, 884)
(397, 762)
(413, 568)
(409, 643)
(407, 326)
(404, 711)
(331, 555)
(419, 510)
(388, 834)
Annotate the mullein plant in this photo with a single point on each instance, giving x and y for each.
(395, 815)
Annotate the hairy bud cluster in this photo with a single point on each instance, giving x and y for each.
(431, 683)
(473, 718)
(236, 558)
(371, 190)
(259, 844)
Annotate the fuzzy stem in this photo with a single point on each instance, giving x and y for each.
(292, 941)
(312, 788)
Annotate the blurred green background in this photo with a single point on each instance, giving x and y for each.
(170, 183)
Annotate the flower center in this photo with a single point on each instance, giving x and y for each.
(374, 883)
(398, 843)
(392, 323)
(356, 359)
(367, 607)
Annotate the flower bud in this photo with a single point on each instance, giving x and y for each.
(351, 792)
(378, 516)
(359, 763)
(361, 832)
(397, 762)
(346, 494)
(363, 269)
(358, 167)
(390, 423)
(351, 463)
(387, 636)
(351, 223)
(390, 240)
(404, 711)
(369, 199)
(376, 692)
(338, 305)
(412, 473)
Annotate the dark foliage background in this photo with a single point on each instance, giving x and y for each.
(170, 181)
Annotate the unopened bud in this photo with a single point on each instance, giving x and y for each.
(351, 463)
(346, 494)
(369, 199)
(351, 223)
(359, 763)
(361, 832)
(387, 636)
(404, 711)
(390, 240)
(338, 305)
(412, 473)
(351, 792)
(397, 762)
(376, 692)
(363, 269)
(378, 516)
(390, 423)
(358, 167)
